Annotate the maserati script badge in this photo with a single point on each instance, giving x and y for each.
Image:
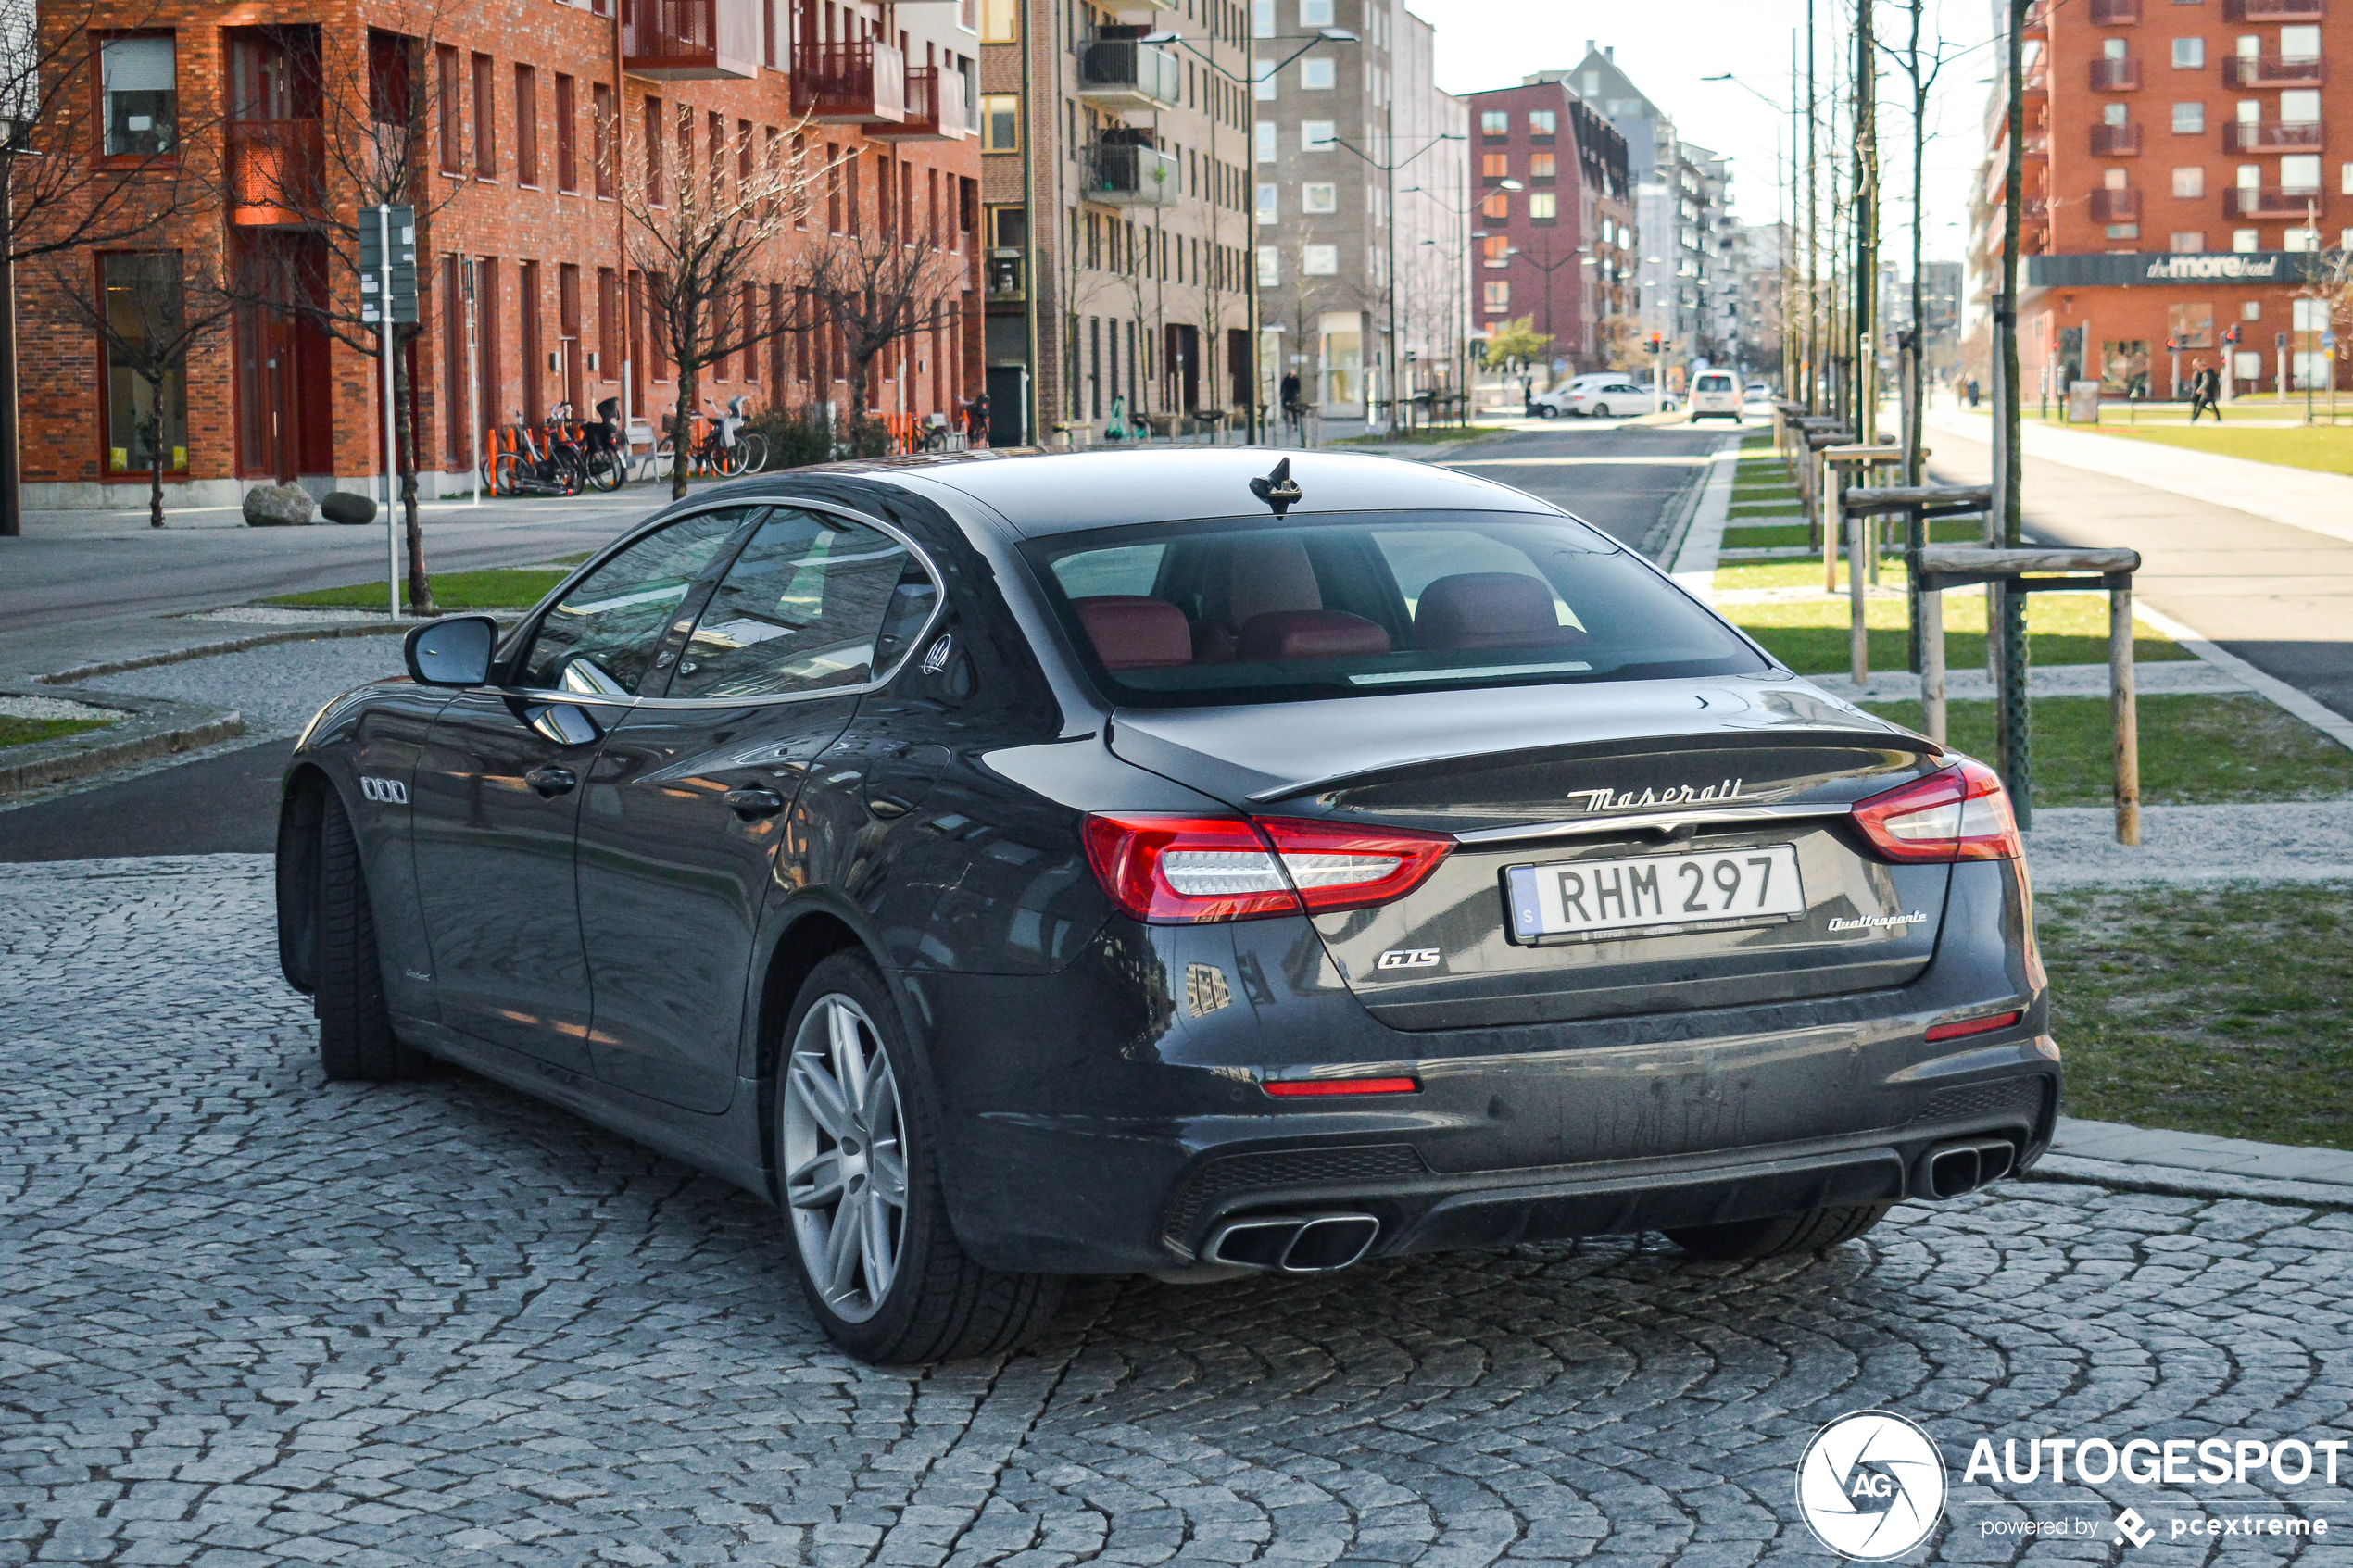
(1681, 795)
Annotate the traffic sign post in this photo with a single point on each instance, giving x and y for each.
(388, 299)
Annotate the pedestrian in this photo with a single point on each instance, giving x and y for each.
(1972, 392)
(2205, 391)
(1293, 409)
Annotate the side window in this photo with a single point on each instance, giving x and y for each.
(814, 603)
(602, 636)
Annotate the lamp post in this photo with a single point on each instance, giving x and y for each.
(1458, 357)
(1388, 170)
(1323, 36)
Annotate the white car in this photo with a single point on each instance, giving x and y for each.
(1716, 395)
(1619, 399)
(1550, 404)
(1759, 392)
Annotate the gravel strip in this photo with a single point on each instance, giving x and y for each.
(54, 708)
(277, 688)
(2075, 845)
(280, 615)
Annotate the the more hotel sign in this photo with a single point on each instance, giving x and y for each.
(2124, 269)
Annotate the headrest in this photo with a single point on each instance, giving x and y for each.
(1311, 633)
(1489, 609)
(1266, 575)
(1133, 633)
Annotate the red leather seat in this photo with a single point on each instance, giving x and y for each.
(1489, 609)
(1131, 631)
(1310, 633)
(1256, 577)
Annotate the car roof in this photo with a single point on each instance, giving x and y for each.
(1041, 493)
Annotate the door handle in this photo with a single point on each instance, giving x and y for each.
(887, 806)
(753, 804)
(551, 781)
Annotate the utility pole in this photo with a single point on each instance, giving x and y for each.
(1813, 230)
(1865, 285)
(2015, 750)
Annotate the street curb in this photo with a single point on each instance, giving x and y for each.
(157, 729)
(2170, 1181)
(256, 640)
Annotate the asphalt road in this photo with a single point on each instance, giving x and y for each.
(1621, 478)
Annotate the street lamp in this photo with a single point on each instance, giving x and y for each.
(1389, 141)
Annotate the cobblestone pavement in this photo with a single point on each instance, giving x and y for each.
(277, 686)
(252, 1317)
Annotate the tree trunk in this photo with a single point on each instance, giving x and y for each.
(404, 443)
(680, 440)
(153, 427)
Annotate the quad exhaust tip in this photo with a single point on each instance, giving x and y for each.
(1293, 1244)
(1952, 1169)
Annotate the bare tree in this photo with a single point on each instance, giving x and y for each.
(147, 318)
(1920, 71)
(876, 290)
(700, 235)
(376, 106)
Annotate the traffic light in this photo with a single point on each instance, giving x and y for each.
(1658, 342)
(2231, 336)
(2172, 345)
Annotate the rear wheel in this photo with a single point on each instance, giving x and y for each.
(1600, 411)
(754, 447)
(879, 1263)
(1816, 1230)
(1544, 410)
(506, 474)
(356, 1041)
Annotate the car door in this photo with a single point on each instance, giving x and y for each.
(691, 793)
(494, 796)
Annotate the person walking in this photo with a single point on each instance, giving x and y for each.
(2206, 388)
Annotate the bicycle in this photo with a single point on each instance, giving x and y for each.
(532, 472)
(601, 460)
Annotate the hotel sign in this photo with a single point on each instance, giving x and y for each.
(2117, 270)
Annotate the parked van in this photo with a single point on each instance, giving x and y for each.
(1715, 393)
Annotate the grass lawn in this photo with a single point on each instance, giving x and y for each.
(24, 731)
(1810, 635)
(2194, 750)
(2224, 1010)
(2320, 447)
(1427, 435)
(1764, 538)
(497, 588)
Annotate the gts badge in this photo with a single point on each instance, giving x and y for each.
(388, 792)
(1407, 958)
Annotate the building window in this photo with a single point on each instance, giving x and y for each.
(2299, 42)
(2115, 114)
(2124, 231)
(143, 305)
(2188, 240)
(1541, 166)
(1262, 18)
(485, 121)
(1316, 135)
(1268, 209)
(2300, 239)
(1497, 296)
(1262, 81)
(2245, 240)
(653, 151)
(1000, 21)
(447, 111)
(1000, 122)
(1497, 208)
(2300, 173)
(567, 134)
(1319, 261)
(1265, 135)
(600, 112)
(2190, 181)
(1541, 122)
(526, 126)
(1494, 166)
(2189, 119)
(141, 79)
(1318, 196)
(1270, 260)
(1495, 122)
(1544, 206)
(2189, 53)
(1315, 13)
(1316, 76)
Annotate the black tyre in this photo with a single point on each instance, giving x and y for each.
(866, 1219)
(507, 474)
(1544, 410)
(1816, 1230)
(1600, 411)
(605, 471)
(356, 1041)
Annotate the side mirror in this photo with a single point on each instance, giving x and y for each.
(455, 652)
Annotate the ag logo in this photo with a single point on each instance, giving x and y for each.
(1407, 958)
(390, 792)
(1870, 1484)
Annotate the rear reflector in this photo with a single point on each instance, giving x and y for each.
(1960, 1028)
(1181, 870)
(1290, 1088)
(1958, 814)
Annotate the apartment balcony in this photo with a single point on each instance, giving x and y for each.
(2038, 20)
(2272, 135)
(690, 40)
(2114, 13)
(848, 82)
(2272, 10)
(1121, 174)
(935, 109)
(2116, 206)
(2116, 76)
(2037, 143)
(1119, 73)
(2271, 201)
(2116, 141)
(277, 172)
(2273, 71)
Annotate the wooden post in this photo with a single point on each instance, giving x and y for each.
(1856, 527)
(1931, 634)
(2122, 707)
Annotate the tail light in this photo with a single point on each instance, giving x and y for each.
(1959, 813)
(1319, 1088)
(1961, 1029)
(1177, 869)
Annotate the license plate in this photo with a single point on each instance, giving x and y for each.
(1702, 887)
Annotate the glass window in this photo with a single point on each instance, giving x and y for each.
(2189, 240)
(1494, 166)
(142, 94)
(1262, 18)
(1498, 297)
(2301, 107)
(2189, 119)
(814, 602)
(1544, 206)
(2244, 240)
(1319, 196)
(1269, 208)
(1319, 261)
(1000, 21)
(1000, 122)
(1316, 76)
(1270, 267)
(2115, 114)
(1541, 166)
(145, 418)
(1494, 122)
(1316, 135)
(1241, 612)
(2190, 181)
(602, 636)
(2300, 171)
(1315, 13)
(2300, 43)
(1262, 79)
(1541, 122)
(2189, 53)
(1265, 133)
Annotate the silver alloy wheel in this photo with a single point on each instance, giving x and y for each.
(845, 1162)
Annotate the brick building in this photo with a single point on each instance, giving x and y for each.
(2177, 180)
(1555, 219)
(1115, 149)
(535, 114)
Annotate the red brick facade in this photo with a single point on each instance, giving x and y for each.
(533, 205)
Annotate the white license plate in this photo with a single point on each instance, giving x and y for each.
(1704, 886)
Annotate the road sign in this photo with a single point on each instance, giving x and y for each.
(398, 224)
(2328, 340)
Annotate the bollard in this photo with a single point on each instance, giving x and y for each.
(2121, 709)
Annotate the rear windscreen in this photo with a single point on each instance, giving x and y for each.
(1248, 610)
